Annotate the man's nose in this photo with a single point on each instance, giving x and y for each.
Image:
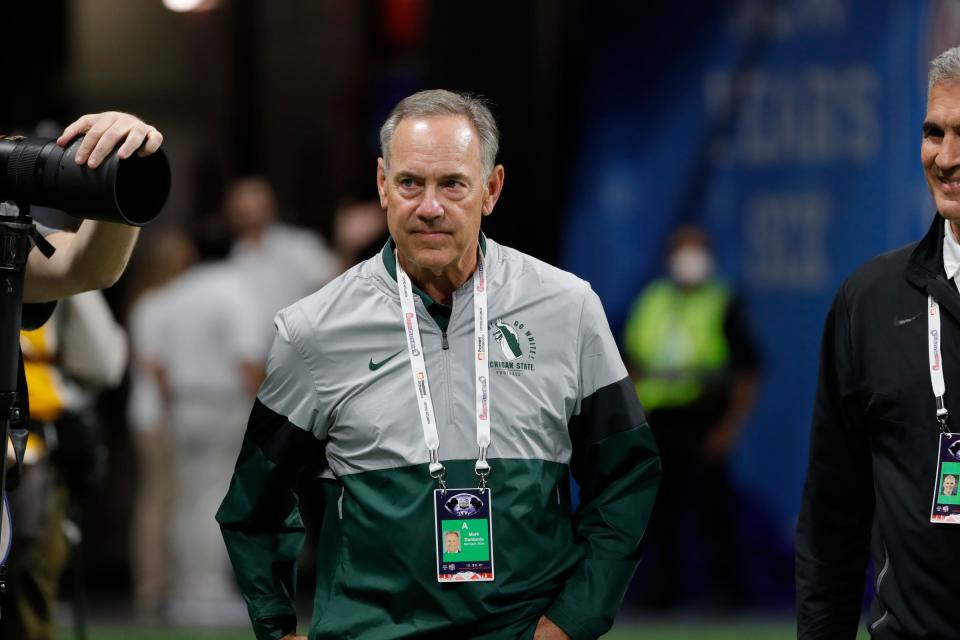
(430, 206)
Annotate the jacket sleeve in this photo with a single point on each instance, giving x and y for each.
(833, 531)
(259, 517)
(617, 466)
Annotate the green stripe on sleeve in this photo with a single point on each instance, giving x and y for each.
(260, 521)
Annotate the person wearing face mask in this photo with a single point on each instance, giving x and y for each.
(695, 367)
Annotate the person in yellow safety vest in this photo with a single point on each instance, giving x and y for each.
(695, 367)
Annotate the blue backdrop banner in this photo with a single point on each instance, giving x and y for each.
(790, 130)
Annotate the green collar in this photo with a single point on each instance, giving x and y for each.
(439, 312)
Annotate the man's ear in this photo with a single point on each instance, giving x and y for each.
(494, 186)
(382, 182)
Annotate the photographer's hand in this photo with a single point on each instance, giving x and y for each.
(104, 131)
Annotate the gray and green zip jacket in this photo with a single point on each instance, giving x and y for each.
(338, 401)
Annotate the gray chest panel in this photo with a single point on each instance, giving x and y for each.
(340, 368)
(374, 422)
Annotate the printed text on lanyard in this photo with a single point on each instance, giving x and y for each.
(411, 327)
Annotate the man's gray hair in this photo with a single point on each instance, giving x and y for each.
(440, 102)
(944, 68)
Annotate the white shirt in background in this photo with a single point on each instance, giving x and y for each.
(200, 329)
(288, 264)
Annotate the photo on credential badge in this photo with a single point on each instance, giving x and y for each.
(948, 485)
(949, 474)
(464, 535)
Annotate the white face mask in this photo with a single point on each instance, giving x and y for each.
(690, 266)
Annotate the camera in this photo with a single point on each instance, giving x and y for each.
(40, 172)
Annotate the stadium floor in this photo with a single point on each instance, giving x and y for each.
(727, 630)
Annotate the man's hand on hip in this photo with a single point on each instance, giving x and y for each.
(293, 636)
(547, 630)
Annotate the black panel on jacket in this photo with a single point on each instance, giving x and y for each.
(606, 412)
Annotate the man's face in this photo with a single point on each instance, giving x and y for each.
(940, 150)
(949, 485)
(453, 543)
(690, 263)
(435, 191)
(250, 206)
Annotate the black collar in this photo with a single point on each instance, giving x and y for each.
(926, 271)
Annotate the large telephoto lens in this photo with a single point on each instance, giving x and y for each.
(38, 171)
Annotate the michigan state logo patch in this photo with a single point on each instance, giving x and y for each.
(508, 339)
(517, 347)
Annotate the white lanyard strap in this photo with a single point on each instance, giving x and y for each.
(935, 352)
(481, 368)
(411, 327)
(419, 367)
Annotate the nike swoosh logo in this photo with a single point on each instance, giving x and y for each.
(900, 323)
(376, 365)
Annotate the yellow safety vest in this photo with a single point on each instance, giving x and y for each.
(43, 380)
(675, 339)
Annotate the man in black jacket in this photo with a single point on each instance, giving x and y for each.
(882, 422)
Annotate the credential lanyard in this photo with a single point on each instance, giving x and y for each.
(411, 328)
(935, 352)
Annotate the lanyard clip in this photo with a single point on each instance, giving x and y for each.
(944, 420)
(437, 472)
(943, 417)
(482, 467)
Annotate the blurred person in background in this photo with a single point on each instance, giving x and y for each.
(695, 365)
(280, 263)
(163, 257)
(885, 421)
(78, 352)
(359, 230)
(276, 264)
(198, 343)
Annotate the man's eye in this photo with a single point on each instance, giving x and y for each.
(407, 183)
(453, 184)
(932, 132)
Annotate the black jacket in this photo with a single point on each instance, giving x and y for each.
(873, 457)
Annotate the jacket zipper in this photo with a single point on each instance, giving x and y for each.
(445, 347)
(880, 576)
